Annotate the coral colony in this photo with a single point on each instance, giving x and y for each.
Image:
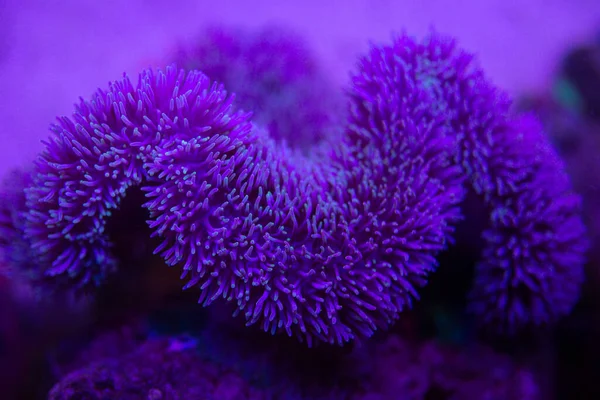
(325, 246)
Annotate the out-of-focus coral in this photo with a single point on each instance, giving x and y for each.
(160, 369)
(273, 74)
(394, 368)
(409, 370)
(577, 138)
(34, 315)
(19, 264)
(18, 261)
(16, 255)
(322, 249)
(569, 111)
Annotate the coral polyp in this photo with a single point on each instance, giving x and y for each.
(327, 249)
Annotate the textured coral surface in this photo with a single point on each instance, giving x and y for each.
(159, 369)
(174, 368)
(329, 246)
(327, 243)
(274, 74)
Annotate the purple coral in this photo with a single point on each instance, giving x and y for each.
(158, 369)
(14, 247)
(325, 250)
(532, 265)
(18, 260)
(394, 368)
(274, 75)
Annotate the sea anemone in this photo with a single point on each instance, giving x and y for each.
(324, 249)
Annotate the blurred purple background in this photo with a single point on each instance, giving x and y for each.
(53, 51)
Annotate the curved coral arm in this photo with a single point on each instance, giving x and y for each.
(326, 250)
